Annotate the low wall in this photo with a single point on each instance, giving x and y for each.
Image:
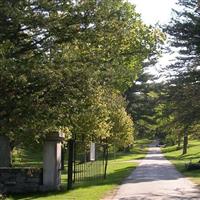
(20, 180)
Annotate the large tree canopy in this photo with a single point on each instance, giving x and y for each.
(54, 55)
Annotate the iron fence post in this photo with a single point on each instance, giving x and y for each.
(70, 164)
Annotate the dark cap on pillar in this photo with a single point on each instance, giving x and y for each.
(55, 136)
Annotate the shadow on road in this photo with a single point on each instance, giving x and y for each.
(151, 196)
(157, 179)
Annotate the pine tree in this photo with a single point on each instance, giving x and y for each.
(184, 32)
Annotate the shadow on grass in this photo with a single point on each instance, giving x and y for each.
(122, 155)
(170, 149)
(112, 178)
(192, 173)
(185, 158)
(191, 156)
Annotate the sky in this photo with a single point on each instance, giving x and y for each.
(153, 12)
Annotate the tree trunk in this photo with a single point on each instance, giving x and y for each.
(185, 141)
(106, 160)
(179, 140)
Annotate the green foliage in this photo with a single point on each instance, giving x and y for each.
(60, 59)
(142, 102)
(104, 118)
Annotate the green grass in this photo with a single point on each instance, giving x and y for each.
(179, 160)
(137, 152)
(92, 190)
(27, 158)
(118, 169)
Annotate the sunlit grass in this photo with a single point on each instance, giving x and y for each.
(118, 169)
(179, 160)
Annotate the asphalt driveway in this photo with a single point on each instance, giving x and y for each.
(156, 179)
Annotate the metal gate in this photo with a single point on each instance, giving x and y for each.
(86, 161)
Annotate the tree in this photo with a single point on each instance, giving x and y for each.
(184, 99)
(54, 57)
(142, 99)
(184, 85)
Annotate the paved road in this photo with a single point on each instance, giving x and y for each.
(156, 179)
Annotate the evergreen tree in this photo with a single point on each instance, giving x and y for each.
(142, 99)
(184, 85)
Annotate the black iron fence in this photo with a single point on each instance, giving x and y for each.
(86, 161)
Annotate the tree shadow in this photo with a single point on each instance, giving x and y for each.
(151, 196)
(153, 173)
(112, 178)
(169, 150)
(120, 155)
(191, 156)
(185, 158)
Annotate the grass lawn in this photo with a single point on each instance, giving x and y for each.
(118, 169)
(179, 160)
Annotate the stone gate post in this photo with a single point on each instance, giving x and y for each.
(52, 161)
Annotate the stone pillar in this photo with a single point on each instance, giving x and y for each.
(52, 161)
(5, 151)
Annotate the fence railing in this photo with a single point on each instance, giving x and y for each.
(86, 162)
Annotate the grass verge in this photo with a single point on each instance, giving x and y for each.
(118, 169)
(179, 160)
